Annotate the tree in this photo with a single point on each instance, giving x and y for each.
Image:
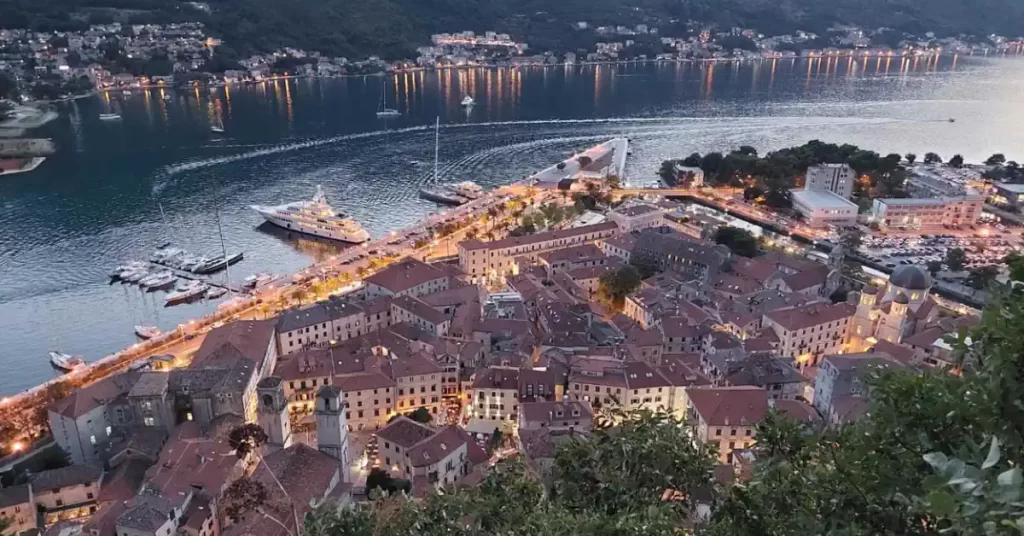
(851, 239)
(584, 161)
(839, 295)
(956, 161)
(955, 258)
(752, 192)
(911, 158)
(615, 286)
(645, 265)
(496, 437)
(694, 160)
(997, 159)
(243, 496)
(560, 166)
(932, 158)
(739, 241)
(247, 439)
(421, 415)
(380, 479)
(981, 277)
(934, 267)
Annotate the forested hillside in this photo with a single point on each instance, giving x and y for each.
(392, 28)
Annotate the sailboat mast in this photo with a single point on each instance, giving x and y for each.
(437, 137)
(224, 251)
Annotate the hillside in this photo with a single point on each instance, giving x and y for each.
(392, 28)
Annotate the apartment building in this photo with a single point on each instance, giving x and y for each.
(671, 250)
(319, 323)
(558, 416)
(637, 217)
(497, 392)
(835, 178)
(421, 315)
(483, 261)
(408, 277)
(811, 331)
(910, 213)
(727, 416)
(18, 509)
(67, 493)
(423, 455)
(561, 260)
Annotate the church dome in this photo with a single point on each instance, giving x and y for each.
(901, 298)
(910, 277)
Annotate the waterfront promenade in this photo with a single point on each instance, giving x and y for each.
(357, 263)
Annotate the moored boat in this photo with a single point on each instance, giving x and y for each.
(315, 217)
(147, 332)
(191, 291)
(65, 362)
(439, 196)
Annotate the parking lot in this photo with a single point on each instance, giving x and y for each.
(920, 250)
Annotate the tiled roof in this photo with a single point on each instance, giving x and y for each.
(762, 370)
(150, 384)
(251, 338)
(548, 411)
(546, 236)
(72, 475)
(729, 406)
(147, 512)
(805, 280)
(419, 309)
(582, 253)
(814, 314)
(86, 399)
(436, 447)
(899, 352)
(14, 495)
(636, 210)
(362, 382)
(404, 275)
(640, 375)
(797, 410)
(405, 432)
(497, 378)
(926, 338)
(303, 317)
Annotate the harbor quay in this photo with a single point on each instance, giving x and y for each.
(603, 160)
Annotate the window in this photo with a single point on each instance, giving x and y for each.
(718, 432)
(88, 495)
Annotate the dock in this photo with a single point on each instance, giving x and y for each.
(185, 274)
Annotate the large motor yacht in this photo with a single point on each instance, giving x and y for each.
(314, 217)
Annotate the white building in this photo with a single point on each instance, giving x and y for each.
(637, 217)
(928, 213)
(811, 331)
(689, 177)
(419, 453)
(835, 178)
(821, 208)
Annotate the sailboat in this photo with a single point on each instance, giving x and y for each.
(439, 196)
(218, 127)
(383, 111)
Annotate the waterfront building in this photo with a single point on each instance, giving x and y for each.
(409, 277)
(938, 212)
(821, 208)
(82, 422)
(332, 320)
(811, 331)
(835, 178)
(637, 217)
(688, 176)
(487, 261)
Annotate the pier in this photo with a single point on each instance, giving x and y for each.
(185, 274)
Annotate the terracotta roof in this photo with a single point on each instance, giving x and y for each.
(195, 458)
(548, 411)
(736, 284)
(251, 338)
(404, 275)
(414, 365)
(516, 241)
(899, 352)
(405, 432)
(624, 242)
(644, 337)
(306, 474)
(436, 447)
(362, 382)
(147, 512)
(850, 407)
(758, 268)
(805, 280)
(419, 309)
(677, 327)
(14, 495)
(636, 210)
(860, 362)
(805, 316)
(797, 410)
(86, 399)
(582, 253)
(640, 375)
(924, 309)
(680, 374)
(739, 318)
(497, 378)
(729, 406)
(926, 338)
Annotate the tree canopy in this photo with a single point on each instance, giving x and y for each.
(739, 241)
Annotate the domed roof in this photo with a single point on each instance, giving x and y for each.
(901, 298)
(911, 277)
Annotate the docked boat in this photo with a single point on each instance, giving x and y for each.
(65, 362)
(440, 196)
(136, 275)
(110, 117)
(468, 101)
(314, 217)
(160, 281)
(191, 291)
(146, 332)
(217, 264)
(467, 189)
(215, 292)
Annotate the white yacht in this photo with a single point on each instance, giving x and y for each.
(314, 217)
(467, 189)
(146, 332)
(468, 101)
(65, 362)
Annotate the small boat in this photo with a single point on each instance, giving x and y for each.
(167, 96)
(65, 362)
(161, 281)
(189, 262)
(215, 292)
(217, 130)
(383, 111)
(468, 101)
(415, 163)
(110, 117)
(951, 120)
(190, 292)
(134, 276)
(126, 92)
(146, 332)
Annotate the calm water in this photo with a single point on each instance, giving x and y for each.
(97, 203)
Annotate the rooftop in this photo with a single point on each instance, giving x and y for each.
(404, 275)
(546, 236)
(821, 199)
(814, 314)
(730, 406)
(405, 432)
(72, 475)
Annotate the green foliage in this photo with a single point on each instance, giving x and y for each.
(955, 258)
(645, 265)
(932, 158)
(613, 287)
(934, 267)
(611, 484)
(421, 415)
(246, 439)
(997, 159)
(243, 496)
(379, 479)
(911, 158)
(739, 241)
(980, 277)
(956, 161)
